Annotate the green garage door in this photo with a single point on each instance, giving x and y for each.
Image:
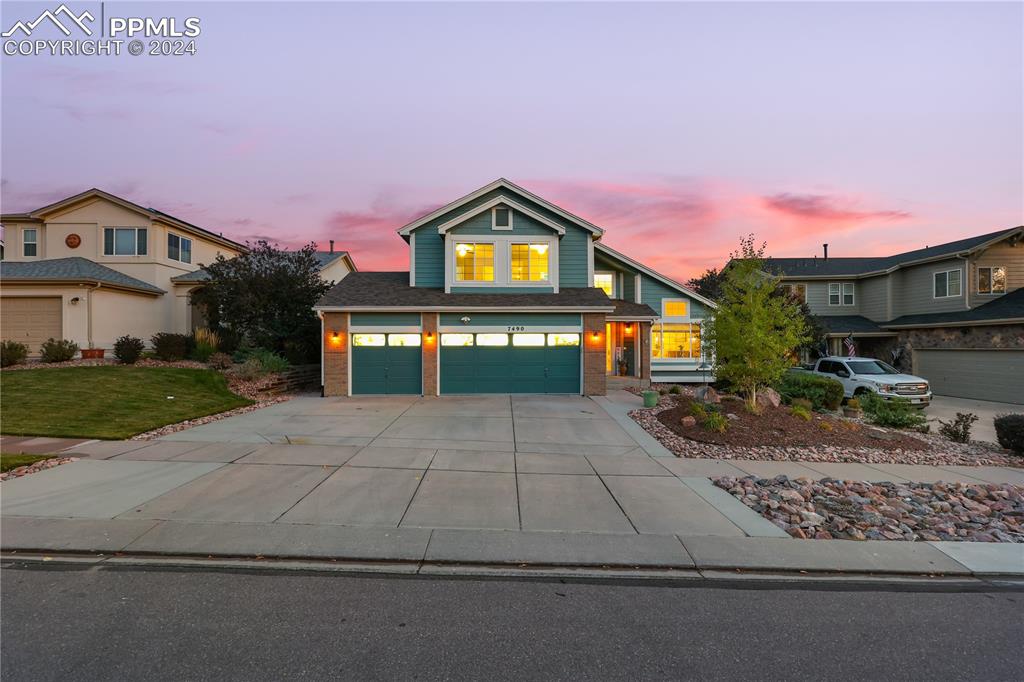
(386, 363)
(510, 363)
(978, 374)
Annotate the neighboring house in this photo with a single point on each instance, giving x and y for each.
(508, 293)
(93, 267)
(952, 313)
(334, 266)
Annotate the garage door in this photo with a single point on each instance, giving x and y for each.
(510, 363)
(30, 320)
(386, 364)
(978, 374)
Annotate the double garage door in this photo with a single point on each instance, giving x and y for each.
(996, 375)
(385, 363)
(30, 320)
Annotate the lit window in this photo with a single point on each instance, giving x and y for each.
(563, 339)
(403, 339)
(179, 248)
(474, 262)
(124, 241)
(501, 218)
(367, 339)
(947, 284)
(456, 339)
(605, 281)
(30, 243)
(674, 341)
(796, 292)
(527, 339)
(676, 308)
(530, 262)
(991, 280)
(492, 339)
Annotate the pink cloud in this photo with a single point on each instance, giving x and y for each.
(822, 208)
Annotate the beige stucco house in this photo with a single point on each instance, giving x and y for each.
(94, 267)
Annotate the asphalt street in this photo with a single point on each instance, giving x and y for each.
(91, 623)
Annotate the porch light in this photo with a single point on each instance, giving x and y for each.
(335, 339)
(629, 329)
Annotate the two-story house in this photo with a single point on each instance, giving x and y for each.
(952, 313)
(508, 293)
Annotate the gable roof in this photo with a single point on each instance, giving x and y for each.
(323, 259)
(500, 200)
(668, 281)
(501, 183)
(1007, 308)
(151, 213)
(855, 267)
(73, 270)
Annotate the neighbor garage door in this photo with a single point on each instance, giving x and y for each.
(386, 364)
(30, 320)
(978, 374)
(510, 363)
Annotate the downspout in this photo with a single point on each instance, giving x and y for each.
(967, 282)
(88, 313)
(323, 360)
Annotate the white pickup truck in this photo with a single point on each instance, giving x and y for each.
(859, 375)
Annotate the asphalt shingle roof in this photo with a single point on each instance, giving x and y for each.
(74, 269)
(1007, 307)
(323, 259)
(631, 309)
(844, 324)
(392, 290)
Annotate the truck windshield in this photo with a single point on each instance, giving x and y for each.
(871, 367)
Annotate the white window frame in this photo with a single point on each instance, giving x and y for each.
(991, 291)
(958, 294)
(528, 243)
(502, 261)
(180, 240)
(494, 219)
(676, 318)
(34, 242)
(135, 242)
(790, 287)
(679, 361)
(615, 281)
(840, 291)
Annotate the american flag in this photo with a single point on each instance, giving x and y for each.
(851, 350)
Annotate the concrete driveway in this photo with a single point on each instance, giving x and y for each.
(945, 408)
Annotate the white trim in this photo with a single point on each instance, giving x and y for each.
(616, 291)
(500, 183)
(348, 352)
(386, 329)
(502, 262)
(494, 219)
(500, 200)
(504, 329)
(637, 281)
(323, 357)
(655, 275)
(665, 317)
(412, 260)
(677, 320)
(23, 242)
(947, 272)
(468, 309)
(978, 269)
(590, 261)
(842, 294)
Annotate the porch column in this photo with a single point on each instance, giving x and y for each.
(644, 344)
(430, 342)
(335, 354)
(595, 379)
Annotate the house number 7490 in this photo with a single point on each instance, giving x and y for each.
(516, 329)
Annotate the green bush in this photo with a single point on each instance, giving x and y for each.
(128, 349)
(271, 362)
(897, 413)
(958, 430)
(12, 352)
(698, 411)
(823, 392)
(170, 347)
(715, 421)
(800, 412)
(220, 361)
(853, 404)
(250, 370)
(675, 390)
(1010, 432)
(804, 403)
(58, 351)
(203, 351)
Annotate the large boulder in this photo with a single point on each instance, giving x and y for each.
(707, 394)
(768, 397)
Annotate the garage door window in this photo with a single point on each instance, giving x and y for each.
(492, 339)
(527, 339)
(563, 339)
(403, 339)
(456, 339)
(367, 339)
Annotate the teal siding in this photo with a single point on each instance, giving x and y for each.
(429, 254)
(502, 290)
(652, 291)
(385, 319)
(572, 258)
(603, 262)
(522, 224)
(628, 288)
(509, 319)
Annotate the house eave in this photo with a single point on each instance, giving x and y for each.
(459, 308)
(17, 281)
(656, 275)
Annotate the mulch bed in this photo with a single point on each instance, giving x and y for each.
(856, 510)
(41, 465)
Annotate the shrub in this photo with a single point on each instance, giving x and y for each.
(271, 362)
(958, 430)
(823, 392)
(803, 402)
(128, 349)
(698, 411)
(825, 426)
(206, 344)
(202, 351)
(220, 361)
(58, 351)
(896, 413)
(853, 404)
(249, 370)
(715, 421)
(12, 352)
(663, 391)
(800, 412)
(1010, 432)
(675, 390)
(170, 347)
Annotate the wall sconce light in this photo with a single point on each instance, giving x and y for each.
(75, 300)
(430, 336)
(335, 339)
(629, 329)
(595, 336)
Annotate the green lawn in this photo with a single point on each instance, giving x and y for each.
(8, 462)
(108, 402)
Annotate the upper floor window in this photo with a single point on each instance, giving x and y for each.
(501, 218)
(991, 280)
(474, 262)
(796, 292)
(179, 248)
(30, 243)
(947, 284)
(125, 241)
(840, 293)
(605, 281)
(678, 308)
(530, 262)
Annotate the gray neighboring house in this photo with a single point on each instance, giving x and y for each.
(952, 313)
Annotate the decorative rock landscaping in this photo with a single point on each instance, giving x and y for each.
(854, 510)
(36, 466)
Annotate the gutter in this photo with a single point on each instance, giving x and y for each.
(461, 308)
(966, 323)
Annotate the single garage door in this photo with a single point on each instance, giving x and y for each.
(30, 320)
(510, 363)
(978, 374)
(386, 364)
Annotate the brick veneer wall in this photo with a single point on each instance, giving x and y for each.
(645, 350)
(430, 344)
(594, 378)
(336, 354)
